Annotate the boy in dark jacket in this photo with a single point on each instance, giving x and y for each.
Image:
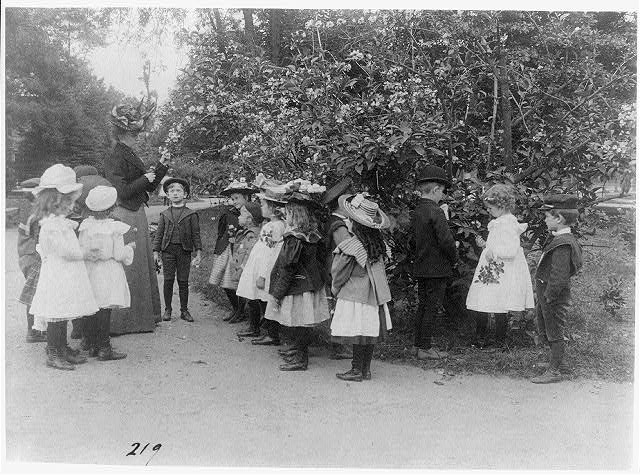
(435, 258)
(561, 258)
(177, 236)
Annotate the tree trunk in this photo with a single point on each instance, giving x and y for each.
(249, 30)
(507, 153)
(220, 30)
(275, 22)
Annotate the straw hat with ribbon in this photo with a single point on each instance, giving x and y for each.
(364, 211)
(58, 177)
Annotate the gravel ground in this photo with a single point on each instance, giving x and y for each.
(212, 400)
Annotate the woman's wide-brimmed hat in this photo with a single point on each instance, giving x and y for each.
(433, 173)
(239, 186)
(364, 211)
(337, 190)
(132, 119)
(272, 196)
(171, 180)
(101, 198)
(89, 182)
(303, 192)
(58, 177)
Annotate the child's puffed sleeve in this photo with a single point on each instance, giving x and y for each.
(121, 253)
(277, 230)
(58, 239)
(283, 271)
(504, 241)
(341, 269)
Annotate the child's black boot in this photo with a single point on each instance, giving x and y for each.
(355, 373)
(552, 374)
(105, 350)
(366, 362)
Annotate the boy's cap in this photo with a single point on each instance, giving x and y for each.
(433, 173)
(170, 181)
(559, 201)
(337, 190)
(256, 212)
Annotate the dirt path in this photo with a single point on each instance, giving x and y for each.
(212, 400)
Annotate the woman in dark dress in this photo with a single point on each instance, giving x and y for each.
(133, 181)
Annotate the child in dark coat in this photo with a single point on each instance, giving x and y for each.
(561, 259)
(177, 236)
(435, 258)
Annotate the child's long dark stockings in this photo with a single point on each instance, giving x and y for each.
(501, 319)
(183, 291)
(233, 298)
(362, 355)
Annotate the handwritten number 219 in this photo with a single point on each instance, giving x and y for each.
(136, 446)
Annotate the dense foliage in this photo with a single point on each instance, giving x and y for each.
(545, 100)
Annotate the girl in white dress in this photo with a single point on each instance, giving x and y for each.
(102, 243)
(63, 291)
(256, 276)
(501, 282)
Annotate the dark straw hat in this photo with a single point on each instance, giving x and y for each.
(184, 183)
(85, 170)
(434, 174)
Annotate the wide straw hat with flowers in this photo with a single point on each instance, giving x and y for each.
(364, 211)
(303, 192)
(239, 186)
(58, 177)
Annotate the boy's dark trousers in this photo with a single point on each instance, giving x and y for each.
(176, 260)
(431, 293)
(551, 320)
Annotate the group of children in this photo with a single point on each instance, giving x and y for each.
(276, 264)
(73, 267)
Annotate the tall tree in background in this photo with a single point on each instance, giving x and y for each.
(56, 110)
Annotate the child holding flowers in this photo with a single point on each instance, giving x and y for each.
(239, 191)
(501, 282)
(255, 278)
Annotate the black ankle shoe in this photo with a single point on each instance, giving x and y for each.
(167, 316)
(34, 336)
(266, 341)
(352, 375)
(249, 332)
(108, 354)
(185, 315)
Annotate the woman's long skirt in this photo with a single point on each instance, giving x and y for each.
(141, 276)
